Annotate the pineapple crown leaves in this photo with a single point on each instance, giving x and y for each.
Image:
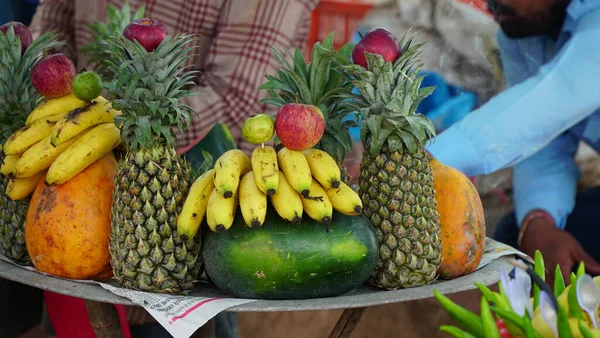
(17, 95)
(388, 98)
(116, 22)
(317, 83)
(148, 87)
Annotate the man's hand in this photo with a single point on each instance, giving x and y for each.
(557, 247)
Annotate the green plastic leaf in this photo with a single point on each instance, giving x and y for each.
(489, 324)
(585, 331)
(468, 320)
(489, 295)
(455, 332)
(540, 270)
(581, 269)
(564, 329)
(574, 307)
(559, 282)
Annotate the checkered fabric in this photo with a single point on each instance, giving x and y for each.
(234, 56)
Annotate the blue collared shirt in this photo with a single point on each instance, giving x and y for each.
(535, 125)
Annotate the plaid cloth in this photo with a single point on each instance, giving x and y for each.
(234, 56)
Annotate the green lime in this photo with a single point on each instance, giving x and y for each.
(87, 86)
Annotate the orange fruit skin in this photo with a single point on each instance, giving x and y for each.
(68, 226)
(462, 221)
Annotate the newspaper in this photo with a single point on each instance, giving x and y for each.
(495, 250)
(181, 316)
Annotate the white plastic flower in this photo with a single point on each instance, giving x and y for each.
(517, 290)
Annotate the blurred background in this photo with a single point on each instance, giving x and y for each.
(461, 60)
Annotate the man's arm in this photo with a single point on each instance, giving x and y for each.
(239, 59)
(548, 181)
(56, 15)
(527, 117)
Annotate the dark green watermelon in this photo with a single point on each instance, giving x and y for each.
(282, 260)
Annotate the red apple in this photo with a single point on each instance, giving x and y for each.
(299, 126)
(53, 76)
(21, 31)
(148, 32)
(377, 41)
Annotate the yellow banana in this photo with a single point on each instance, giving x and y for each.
(220, 211)
(229, 167)
(323, 167)
(54, 106)
(266, 169)
(253, 202)
(19, 188)
(345, 200)
(91, 146)
(8, 164)
(287, 202)
(27, 136)
(317, 205)
(38, 158)
(194, 207)
(78, 120)
(296, 170)
(54, 118)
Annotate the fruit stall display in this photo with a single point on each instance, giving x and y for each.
(93, 188)
(558, 311)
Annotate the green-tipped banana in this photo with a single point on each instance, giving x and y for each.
(220, 211)
(229, 168)
(296, 170)
(287, 201)
(79, 120)
(323, 168)
(253, 202)
(317, 205)
(194, 207)
(91, 146)
(27, 136)
(345, 200)
(266, 169)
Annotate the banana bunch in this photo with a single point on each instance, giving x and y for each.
(295, 182)
(61, 138)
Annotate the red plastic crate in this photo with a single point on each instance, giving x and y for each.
(344, 16)
(341, 16)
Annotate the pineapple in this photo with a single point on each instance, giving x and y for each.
(319, 83)
(17, 99)
(116, 22)
(152, 179)
(395, 180)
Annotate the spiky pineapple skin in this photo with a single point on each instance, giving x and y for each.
(146, 252)
(12, 226)
(397, 191)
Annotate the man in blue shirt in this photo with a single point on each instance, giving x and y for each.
(550, 51)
